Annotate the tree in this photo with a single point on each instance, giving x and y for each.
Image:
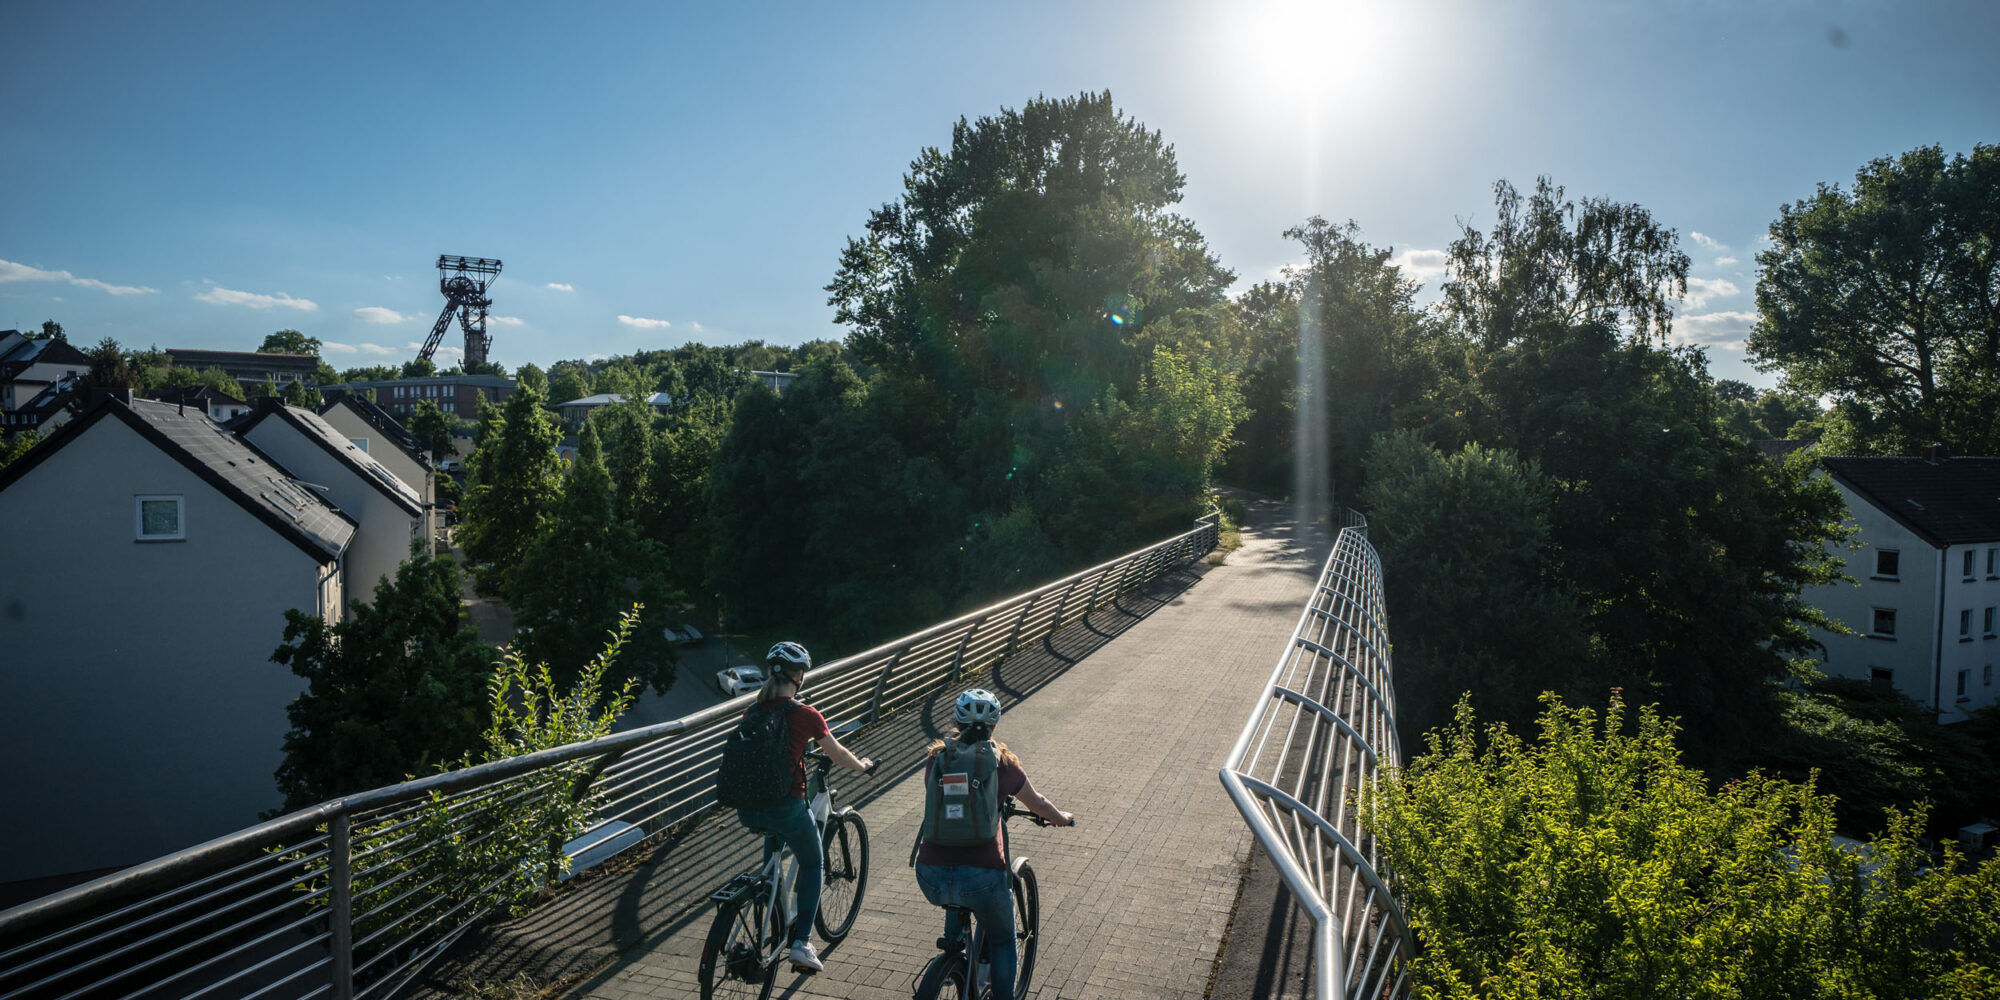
(51, 330)
(514, 484)
(14, 446)
(419, 368)
(569, 380)
(1548, 261)
(576, 580)
(1886, 297)
(1593, 863)
(433, 429)
(394, 689)
(289, 342)
(529, 374)
(108, 367)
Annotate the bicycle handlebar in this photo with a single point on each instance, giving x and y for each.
(1008, 808)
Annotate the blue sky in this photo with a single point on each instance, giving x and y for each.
(198, 175)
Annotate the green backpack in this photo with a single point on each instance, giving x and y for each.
(962, 795)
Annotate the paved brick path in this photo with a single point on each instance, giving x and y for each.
(1128, 734)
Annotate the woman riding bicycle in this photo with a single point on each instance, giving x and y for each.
(790, 819)
(976, 877)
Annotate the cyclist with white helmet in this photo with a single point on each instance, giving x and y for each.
(975, 877)
(790, 819)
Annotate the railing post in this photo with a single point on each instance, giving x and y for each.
(340, 848)
(881, 685)
(1014, 636)
(958, 655)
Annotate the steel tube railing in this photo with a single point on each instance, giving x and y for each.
(349, 898)
(1321, 734)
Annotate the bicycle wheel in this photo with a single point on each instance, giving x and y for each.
(846, 847)
(1027, 926)
(945, 979)
(733, 962)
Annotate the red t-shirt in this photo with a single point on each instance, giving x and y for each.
(804, 724)
(989, 854)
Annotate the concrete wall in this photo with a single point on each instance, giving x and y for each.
(139, 710)
(383, 541)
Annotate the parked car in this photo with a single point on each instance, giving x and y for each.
(739, 680)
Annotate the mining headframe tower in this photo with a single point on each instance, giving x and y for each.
(463, 280)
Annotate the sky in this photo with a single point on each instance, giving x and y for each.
(199, 175)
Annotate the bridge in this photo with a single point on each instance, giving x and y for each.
(1126, 688)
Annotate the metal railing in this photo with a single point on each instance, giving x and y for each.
(353, 897)
(1301, 772)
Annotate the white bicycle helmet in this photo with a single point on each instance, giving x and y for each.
(788, 658)
(977, 707)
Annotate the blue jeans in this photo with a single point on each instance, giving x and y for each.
(984, 891)
(791, 822)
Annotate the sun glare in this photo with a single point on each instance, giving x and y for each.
(1307, 55)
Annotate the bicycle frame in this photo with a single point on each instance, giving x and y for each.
(778, 874)
(971, 933)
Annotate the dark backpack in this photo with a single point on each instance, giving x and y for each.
(757, 766)
(962, 795)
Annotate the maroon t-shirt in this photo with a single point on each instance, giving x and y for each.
(989, 854)
(803, 725)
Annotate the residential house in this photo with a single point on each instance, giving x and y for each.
(1929, 580)
(49, 409)
(219, 406)
(371, 429)
(30, 366)
(777, 382)
(150, 557)
(389, 513)
(251, 367)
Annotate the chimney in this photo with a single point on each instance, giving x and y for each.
(269, 404)
(1935, 453)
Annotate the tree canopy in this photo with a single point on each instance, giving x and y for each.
(1886, 298)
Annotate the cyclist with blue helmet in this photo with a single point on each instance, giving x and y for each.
(975, 877)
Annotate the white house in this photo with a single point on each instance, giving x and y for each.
(390, 514)
(27, 367)
(576, 411)
(1929, 580)
(371, 429)
(139, 709)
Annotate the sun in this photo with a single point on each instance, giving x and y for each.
(1314, 53)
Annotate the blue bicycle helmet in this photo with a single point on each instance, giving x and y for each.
(788, 658)
(977, 707)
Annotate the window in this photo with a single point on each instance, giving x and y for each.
(1886, 562)
(1989, 675)
(361, 443)
(1968, 564)
(1961, 682)
(1885, 622)
(1989, 623)
(1992, 563)
(1882, 677)
(1965, 625)
(158, 519)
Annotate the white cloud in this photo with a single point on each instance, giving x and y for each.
(1423, 265)
(377, 314)
(643, 323)
(1702, 290)
(1725, 262)
(441, 349)
(1725, 330)
(1706, 241)
(10, 271)
(338, 348)
(504, 320)
(230, 297)
(560, 287)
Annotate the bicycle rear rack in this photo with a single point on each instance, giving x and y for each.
(739, 885)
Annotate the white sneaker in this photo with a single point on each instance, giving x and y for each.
(806, 958)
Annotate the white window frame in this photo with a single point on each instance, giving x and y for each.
(139, 517)
(1969, 574)
(361, 443)
(1875, 620)
(1898, 574)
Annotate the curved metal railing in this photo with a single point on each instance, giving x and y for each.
(1302, 770)
(352, 897)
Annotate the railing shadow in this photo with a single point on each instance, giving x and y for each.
(632, 906)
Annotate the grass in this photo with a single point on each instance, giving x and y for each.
(1231, 536)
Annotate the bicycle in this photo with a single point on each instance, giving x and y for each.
(950, 976)
(752, 931)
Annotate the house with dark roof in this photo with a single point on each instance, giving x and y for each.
(251, 367)
(1928, 572)
(455, 394)
(149, 559)
(219, 406)
(389, 512)
(30, 366)
(50, 408)
(371, 429)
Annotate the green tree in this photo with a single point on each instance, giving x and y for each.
(109, 368)
(1883, 298)
(289, 342)
(588, 569)
(433, 429)
(1549, 260)
(1476, 515)
(529, 374)
(393, 689)
(569, 380)
(418, 368)
(51, 330)
(14, 446)
(1593, 863)
(515, 481)
(190, 378)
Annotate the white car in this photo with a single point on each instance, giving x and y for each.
(739, 680)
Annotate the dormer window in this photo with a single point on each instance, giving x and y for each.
(159, 519)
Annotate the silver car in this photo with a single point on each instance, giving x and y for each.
(739, 680)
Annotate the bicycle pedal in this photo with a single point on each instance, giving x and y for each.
(806, 970)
